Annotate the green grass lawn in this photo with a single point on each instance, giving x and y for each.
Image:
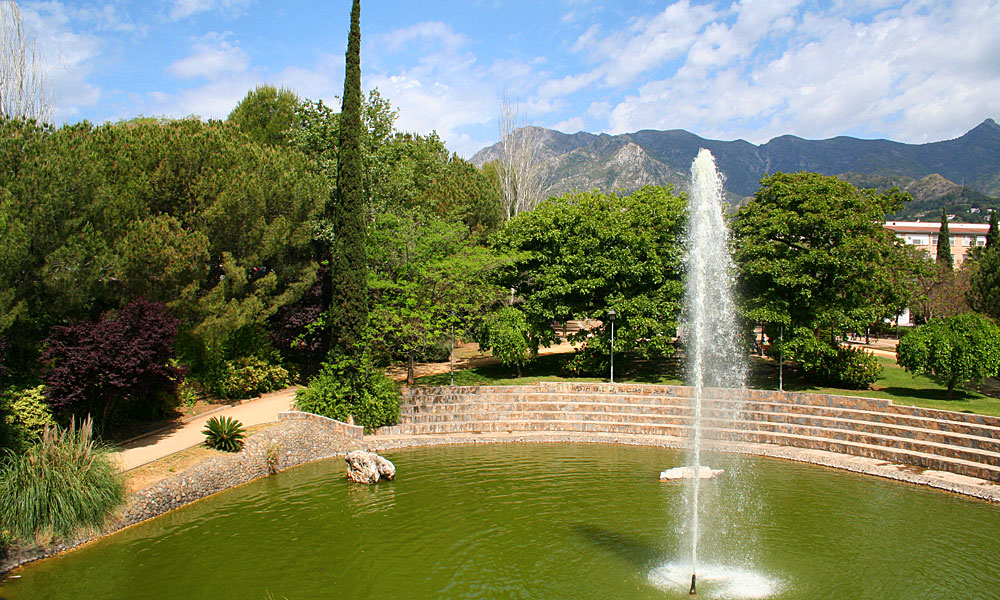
(895, 384)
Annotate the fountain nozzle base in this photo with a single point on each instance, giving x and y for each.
(691, 592)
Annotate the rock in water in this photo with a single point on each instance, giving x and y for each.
(368, 467)
(688, 473)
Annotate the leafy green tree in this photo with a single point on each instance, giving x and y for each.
(984, 284)
(993, 237)
(945, 260)
(187, 213)
(577, 255)
(425, 277)
(960, 349)
(267, 114)
(348, 314)
(814, 256)
(507, 333)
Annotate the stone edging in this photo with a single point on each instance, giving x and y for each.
(346, 429)
(967, 486)
(293, 441)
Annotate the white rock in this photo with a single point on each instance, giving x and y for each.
(368, 467)
(688, 473)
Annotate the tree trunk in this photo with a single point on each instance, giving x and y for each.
(951, 388)
(519, 370)
(409, 368)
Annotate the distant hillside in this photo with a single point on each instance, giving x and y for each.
(585, 161)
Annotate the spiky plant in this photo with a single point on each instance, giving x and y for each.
(224, 434)
(61, 483)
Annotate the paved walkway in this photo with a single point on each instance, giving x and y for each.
(185, 435)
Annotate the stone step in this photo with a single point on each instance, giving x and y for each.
(912, 454)
(987, 453)
(903, 423)
(612, 391)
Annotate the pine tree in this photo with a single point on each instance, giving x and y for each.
(348, 316)
(944, 258)
(993, 237)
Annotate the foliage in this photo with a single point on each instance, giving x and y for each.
(425, 278)
(26, 414)
(945, 261)
(249, 377)
(339, 391)
(813, 255)
(348, 312)
(118, 366)
(267, 114)
(506, 332)
(959, 349)
(984, 286)
(829, 363)
(63, 482)
(224, 433)
(578, 255)
(993, 236)
(187, 213)
(298, 329)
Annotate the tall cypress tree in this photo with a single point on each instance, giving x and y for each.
(993, 236)
(348, 316)
(944, 258)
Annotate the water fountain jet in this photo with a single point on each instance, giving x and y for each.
(713, 355)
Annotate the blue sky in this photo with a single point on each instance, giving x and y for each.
(908, 70)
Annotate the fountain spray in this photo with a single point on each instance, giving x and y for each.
(713, 355)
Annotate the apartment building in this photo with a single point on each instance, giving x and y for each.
(964, 236)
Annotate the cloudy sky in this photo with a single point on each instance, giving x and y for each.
(908, 70)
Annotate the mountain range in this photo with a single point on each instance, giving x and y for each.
(962, 174)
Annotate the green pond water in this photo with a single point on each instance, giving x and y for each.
(541, 522)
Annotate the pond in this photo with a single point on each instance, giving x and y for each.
(539, 521)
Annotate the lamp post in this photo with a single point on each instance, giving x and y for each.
(781, 360)
(611, 318)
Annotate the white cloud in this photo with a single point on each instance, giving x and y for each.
(914, 72)
(213, 56)
(185, 8)
(66, 56)
(571, 125)
(442, 86)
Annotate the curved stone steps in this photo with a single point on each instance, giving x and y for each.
(956, 442)
(982, 437)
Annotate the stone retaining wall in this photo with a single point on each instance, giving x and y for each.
(337, 427)
(295, 440)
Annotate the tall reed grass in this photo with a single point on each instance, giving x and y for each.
(64, 482)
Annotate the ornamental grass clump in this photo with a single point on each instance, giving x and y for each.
(64, 482)
(224, 434)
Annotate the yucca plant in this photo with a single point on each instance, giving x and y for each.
(224, 434)
(61, 483)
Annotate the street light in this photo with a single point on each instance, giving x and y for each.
(611, 318)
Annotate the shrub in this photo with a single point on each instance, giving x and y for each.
(61, 483)
(506, 332)
(336, 392)
(27, 415)
(118, 367)
(825, 363)
(955, 349)
(224, 434)
(249, 377)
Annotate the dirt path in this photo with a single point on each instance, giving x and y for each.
(184, 435)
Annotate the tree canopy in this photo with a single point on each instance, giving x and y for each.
(192, 214)
(577, 255)
(268, 115)
(813, 253)
(960, 349)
